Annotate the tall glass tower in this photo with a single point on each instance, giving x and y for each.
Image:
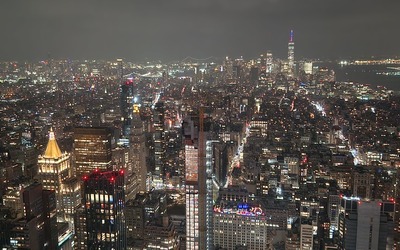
(291, 52)
(104, 200)
(198, 185)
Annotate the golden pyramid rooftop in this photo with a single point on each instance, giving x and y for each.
(52, 149)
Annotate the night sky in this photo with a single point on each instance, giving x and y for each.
(173, 29)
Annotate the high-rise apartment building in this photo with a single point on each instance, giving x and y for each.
(104, 202)
(92, 149)
(53, 168)
(195, 184)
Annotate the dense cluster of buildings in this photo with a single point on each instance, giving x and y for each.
(258, 154)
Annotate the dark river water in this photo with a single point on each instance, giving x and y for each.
(367, 74)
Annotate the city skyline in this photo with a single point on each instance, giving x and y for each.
(172, 30)
(110, 140)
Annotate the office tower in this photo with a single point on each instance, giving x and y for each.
(291, 53)
(333, 213)
(54, 168)
(396, 199)
(104, 201)
(306, 235)
(238, 222)
(309, 210)
(261, 62)
(269, 62)
(65, 236)
(195, 183)
(366, 224)
(159, 144)
(210, 180)
(221, 163)
(161, 235)
(308, 67)
(362, 182)
(81, 235)
(6, 219)
(50, 218)
(147, 223)
(254, 73)
(135, 218)
(122, 159)
(70, 197)
(37, 230)
(12, 199)
(138, 149)
(92, 149)
(228, 68)
(127, 97)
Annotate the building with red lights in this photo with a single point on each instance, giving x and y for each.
(104, 202)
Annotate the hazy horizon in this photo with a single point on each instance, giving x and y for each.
(174, 29)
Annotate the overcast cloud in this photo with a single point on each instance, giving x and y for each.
(174, 29)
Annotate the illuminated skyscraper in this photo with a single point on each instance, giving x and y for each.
(138, 149)
(159, 144)
(127, 96)
(71, 197)
(198, 190)
(92, 149)
(291, 53)
(269, 61)
(37, 230)
(192, 185)
(104, 201)
(54, 168)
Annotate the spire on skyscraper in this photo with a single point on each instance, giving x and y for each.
(291, 36)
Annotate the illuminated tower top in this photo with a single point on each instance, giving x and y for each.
(291, 36)
(52, 149)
